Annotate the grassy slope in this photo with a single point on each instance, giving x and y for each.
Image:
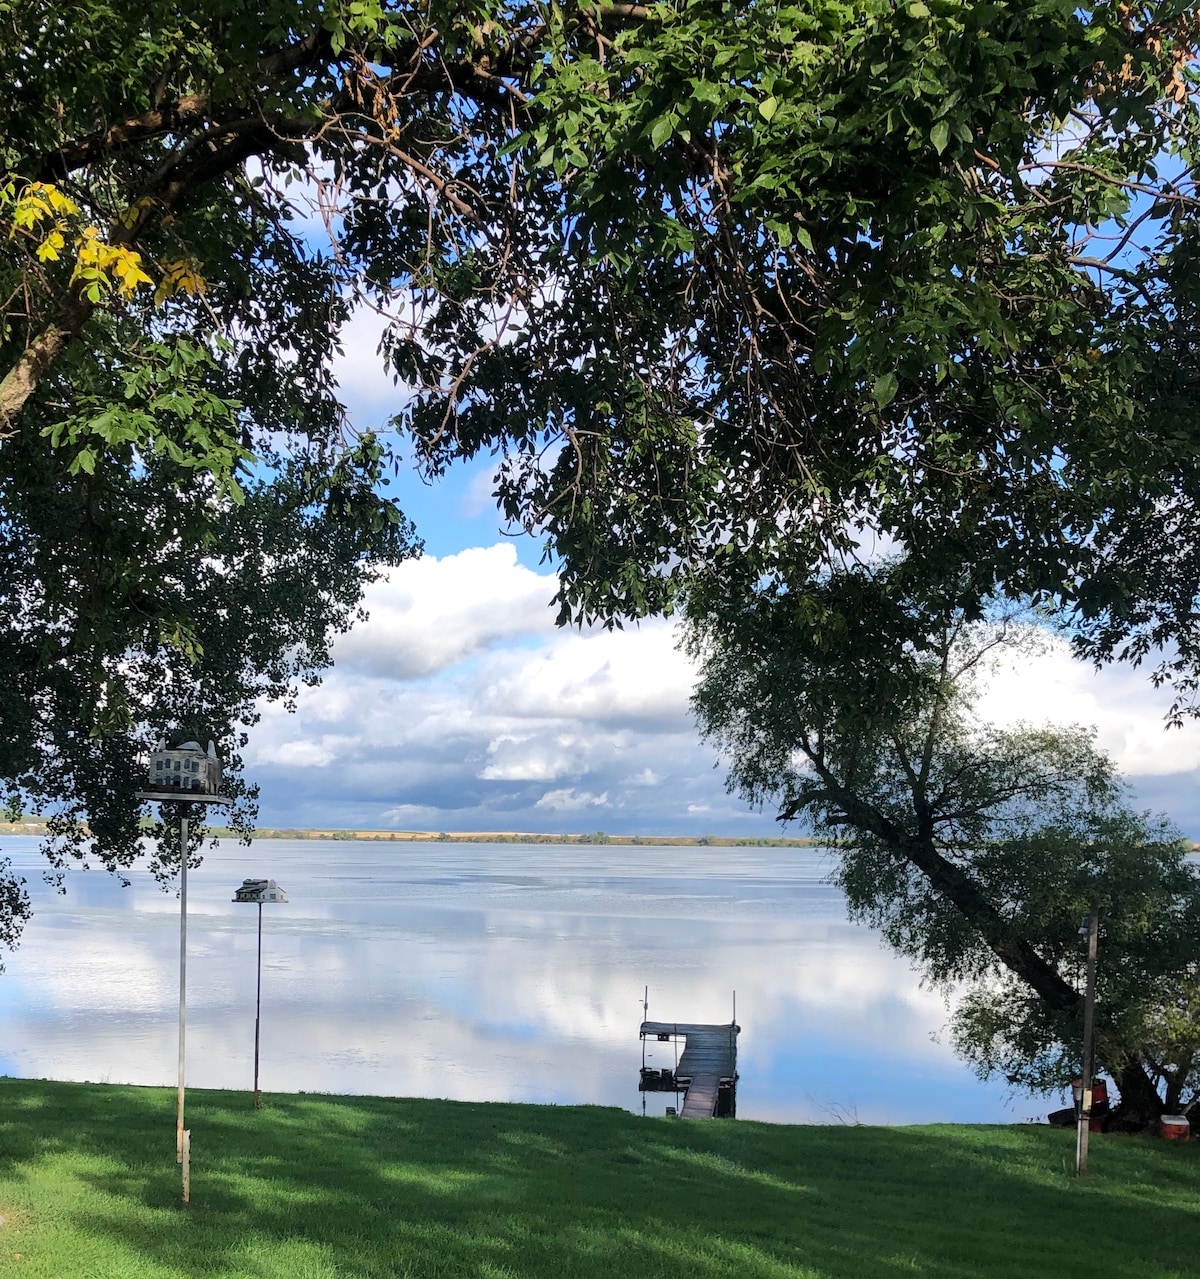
(322, 1186)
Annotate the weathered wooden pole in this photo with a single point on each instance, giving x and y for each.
(1089, 1017)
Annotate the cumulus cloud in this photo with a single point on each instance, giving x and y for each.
(363, 380)
(429, 614)
(531, 759)
(634, 678)
(566, 800)
(1127, 711)
(459, 705)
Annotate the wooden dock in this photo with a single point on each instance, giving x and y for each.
(707, 1066)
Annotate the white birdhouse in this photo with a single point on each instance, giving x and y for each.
(259, 890)
(186, 767)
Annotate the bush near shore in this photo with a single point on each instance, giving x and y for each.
(320, 1187)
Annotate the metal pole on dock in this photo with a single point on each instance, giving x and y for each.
(645, 1018)
(642, 1037)
(675, 1073)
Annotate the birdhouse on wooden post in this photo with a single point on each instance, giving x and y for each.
(187, 767)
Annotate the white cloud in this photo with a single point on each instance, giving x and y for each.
(530, 759)
(571, 801)
(1119, 701)
(477, 498)
(302, 753)
(459, 705)
(647, 777)
(429, 614)
(635, 677)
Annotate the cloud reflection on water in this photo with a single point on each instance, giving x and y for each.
(495, 972)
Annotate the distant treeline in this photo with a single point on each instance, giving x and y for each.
(512, 837)
(34, 826)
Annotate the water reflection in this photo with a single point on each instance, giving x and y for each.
(497, 972)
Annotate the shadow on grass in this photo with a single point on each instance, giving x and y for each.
(374, 1187)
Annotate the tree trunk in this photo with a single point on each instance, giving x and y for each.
(1140, 1105)
(1017, 954)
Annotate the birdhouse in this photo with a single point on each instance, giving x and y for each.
(187, 767)
(259, 891)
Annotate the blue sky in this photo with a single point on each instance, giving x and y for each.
(459, 706)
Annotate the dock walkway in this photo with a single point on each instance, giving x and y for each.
(707, 1064)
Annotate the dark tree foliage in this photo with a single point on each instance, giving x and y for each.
(719, 282)
(186, 518)
(924, 272)
(141, 601)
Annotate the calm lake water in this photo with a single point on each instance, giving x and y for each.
(486, 972)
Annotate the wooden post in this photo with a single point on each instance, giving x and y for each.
(186, 1159)
(1089, 1014)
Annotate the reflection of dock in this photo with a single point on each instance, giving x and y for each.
(707, 1068)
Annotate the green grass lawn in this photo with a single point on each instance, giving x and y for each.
(313, 1187)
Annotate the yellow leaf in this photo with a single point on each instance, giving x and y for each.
(180, 277)
(47, 251)
(104, 266)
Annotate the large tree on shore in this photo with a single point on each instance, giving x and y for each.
(974, 849)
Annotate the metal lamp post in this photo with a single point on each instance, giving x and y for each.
(258, 891)
(184, 774)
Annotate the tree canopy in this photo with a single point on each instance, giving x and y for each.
(186, 518)
(723, 283)
(974, 849)
(813, 273)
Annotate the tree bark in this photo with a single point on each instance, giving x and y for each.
(20, 382)
(1015, 953)
(1140, 1105)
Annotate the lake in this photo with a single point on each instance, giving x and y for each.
(497, 972)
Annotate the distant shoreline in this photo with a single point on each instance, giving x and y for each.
(494, 837)
(526, 837)
(479, 837)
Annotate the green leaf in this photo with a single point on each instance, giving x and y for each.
(767, 107)
(660, 131)
(939, 135)
(885, 389)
